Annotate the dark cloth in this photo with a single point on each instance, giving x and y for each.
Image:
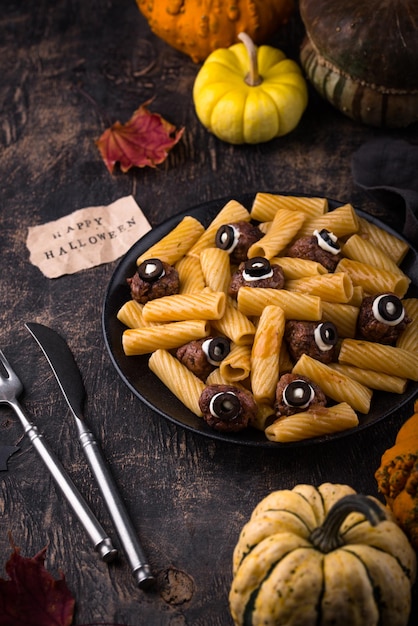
(387, 170)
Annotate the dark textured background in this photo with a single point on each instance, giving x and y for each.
(68, 68)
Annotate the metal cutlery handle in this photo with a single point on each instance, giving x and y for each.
(102, 543)
(140, 569)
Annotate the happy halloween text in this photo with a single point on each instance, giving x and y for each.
(82, 238)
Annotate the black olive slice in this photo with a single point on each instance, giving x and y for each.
(216, 349)
(257, 267)
(151, 270)
(326, 335)
(389, 309)
(327, 240)
(298, 393)
(226, 237)
(225, 406)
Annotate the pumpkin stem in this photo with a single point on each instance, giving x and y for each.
(327, 537)
(253, 78)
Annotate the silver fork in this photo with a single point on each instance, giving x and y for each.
(10, 389)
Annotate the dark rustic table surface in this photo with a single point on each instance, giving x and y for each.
(67, 68)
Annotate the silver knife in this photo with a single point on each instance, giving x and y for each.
(71, 383)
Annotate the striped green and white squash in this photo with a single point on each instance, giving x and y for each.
(321, 556)
(363, 57)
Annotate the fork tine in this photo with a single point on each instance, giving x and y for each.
(10, 384)
(11, 374)
(5, 362)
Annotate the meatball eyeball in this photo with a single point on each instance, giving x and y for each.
(382, 318)
(257, 272)
(153, 279)
(227, 408)
(296, 393)
(236, 239)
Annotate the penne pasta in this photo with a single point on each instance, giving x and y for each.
(216, 269)
(178, 378)
(136, 341)
(207, 305)
(264, 416)
(392, 246)
(264, 227)
(408, 340)
(372, 279)
(176, 243)
(380, 358)
(294, 267)
(358, 295)
(285, 362)
(233, 211)
(236, 366)
(130, 314)
(266, 205)
(313, 423)
(235, 325)
(216, 378)
(265, 354)
(297, 306)
(190, 274)
(330, 287)
(283, 228)
(344, 316)
(334, 384)
(359, 249)
(343, 221)
(374, 380)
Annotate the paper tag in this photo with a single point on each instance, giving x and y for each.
(86, 238)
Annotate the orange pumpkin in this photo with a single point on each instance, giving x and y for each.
(197, 27)
(397, 477)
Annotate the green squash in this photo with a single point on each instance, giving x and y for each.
(363, 57)
(322, 556)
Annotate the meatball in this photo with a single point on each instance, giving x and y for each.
(319, 247)
(296, 393)
(236, 238)
(316, 339)
(202, 356)
(382, 318)
(256, 272)
(227, 408)
(153, 279)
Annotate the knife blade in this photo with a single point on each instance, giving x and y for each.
(68, 375)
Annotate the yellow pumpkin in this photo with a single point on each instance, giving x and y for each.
(197, 27)
(397, 477)
(247, 95)
(316, 556)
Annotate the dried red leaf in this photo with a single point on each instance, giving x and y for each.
(32, 597)
(144, 140)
